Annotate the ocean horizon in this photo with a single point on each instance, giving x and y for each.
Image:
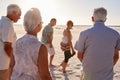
(74, 25)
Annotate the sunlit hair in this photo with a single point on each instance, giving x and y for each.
(13, 8)
(69, 22)
(31, 19)
(100, 14)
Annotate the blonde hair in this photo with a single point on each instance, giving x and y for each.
(31, 19)
(13, 8)
(100, 14)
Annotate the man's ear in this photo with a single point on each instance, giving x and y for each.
(92, 19)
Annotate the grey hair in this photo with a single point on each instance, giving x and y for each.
(100, 14)
(13, 8)
(31, 19)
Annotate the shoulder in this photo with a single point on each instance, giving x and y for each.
(6, 24)
(47, 27)
(43, 49)
(86, 32)
(112, 30)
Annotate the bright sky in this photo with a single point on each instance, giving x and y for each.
(79, 11)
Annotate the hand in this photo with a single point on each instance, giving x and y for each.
(73, 52)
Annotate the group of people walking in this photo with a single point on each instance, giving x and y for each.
(27, 58)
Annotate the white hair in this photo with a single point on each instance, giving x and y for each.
(31, 19)
(13, 8)
(100, 14)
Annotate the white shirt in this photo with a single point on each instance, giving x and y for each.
(7, 34)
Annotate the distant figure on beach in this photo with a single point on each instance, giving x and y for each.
(7, 38)
(98, 48)
(47, 38)
(30, 59)
(66, 45)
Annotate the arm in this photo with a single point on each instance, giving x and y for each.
(116, 56)
(8, 48)
(49, 41)
(68, 34)
(43, 66)
(12, 63)
(80, 56)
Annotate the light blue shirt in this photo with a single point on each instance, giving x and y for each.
(98, 44)
(48, 30)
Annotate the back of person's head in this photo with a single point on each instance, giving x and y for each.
(100, 14)
(31, 19)
(13, 8)
(69, 23)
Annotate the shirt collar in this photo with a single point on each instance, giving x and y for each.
(6, 18)
(99, 24)
(49, 25)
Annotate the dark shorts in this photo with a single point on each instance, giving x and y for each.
(67, 56)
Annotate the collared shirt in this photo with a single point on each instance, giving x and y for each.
(47, 31)
(7, 34)
(98, 44)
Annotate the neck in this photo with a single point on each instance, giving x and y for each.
(67, 28)
(30, 33)
(8, 16)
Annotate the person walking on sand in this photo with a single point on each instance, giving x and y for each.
(66, 45)
(98, 48)
(29, 53)
(47, 38)
(7, 38)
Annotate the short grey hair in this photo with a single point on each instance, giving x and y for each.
(13, 8)
(100, 14)
(31, 19)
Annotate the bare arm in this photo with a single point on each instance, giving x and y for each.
(80, 56)
(8, 48)
(12, 63)
(43, 64)
(68, 33)
(49, 41)
(116, 56)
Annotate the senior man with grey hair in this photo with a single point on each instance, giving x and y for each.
(98, 48)
(7, 38)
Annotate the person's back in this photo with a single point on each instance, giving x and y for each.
(100, 45)
(98, 48)
(28, 53)
(26, 57)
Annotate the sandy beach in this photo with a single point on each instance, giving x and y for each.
(74, 65)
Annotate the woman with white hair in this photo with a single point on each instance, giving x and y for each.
(30, 59)
(7, 38)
